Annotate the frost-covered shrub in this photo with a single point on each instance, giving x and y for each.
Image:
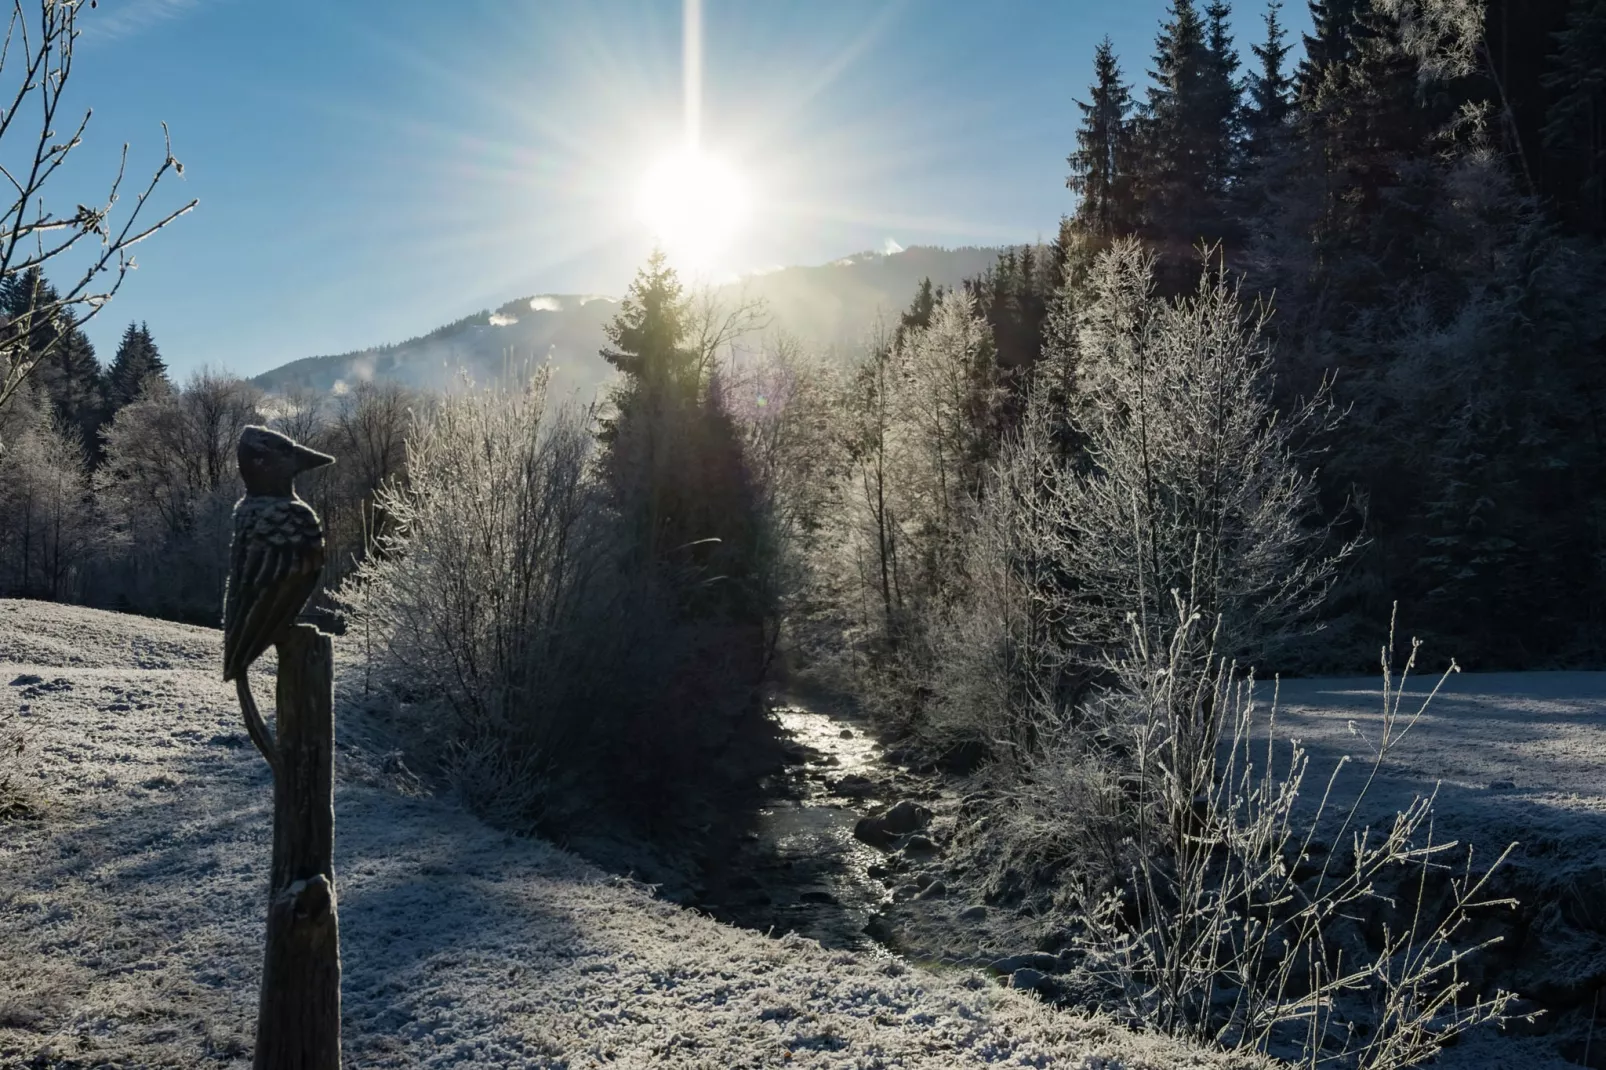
(1211, 903)
(481, 597)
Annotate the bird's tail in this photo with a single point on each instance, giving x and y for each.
(255, 727)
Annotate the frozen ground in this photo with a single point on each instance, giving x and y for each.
(131, 912)
(1517, 758)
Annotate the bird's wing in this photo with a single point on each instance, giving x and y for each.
(273, 568)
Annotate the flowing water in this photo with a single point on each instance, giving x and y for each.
(796, 866)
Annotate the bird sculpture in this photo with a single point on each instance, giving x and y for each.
(274, 562)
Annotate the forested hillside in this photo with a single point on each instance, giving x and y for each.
(833, 307)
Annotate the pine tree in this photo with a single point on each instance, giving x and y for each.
(1188, 133)
(62, 355)
(1330, 42)
(1575, 122)
(1100, 164)
(137, 360)
(1270, 90)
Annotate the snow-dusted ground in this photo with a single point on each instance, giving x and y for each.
(1516, 758)
(131, 913)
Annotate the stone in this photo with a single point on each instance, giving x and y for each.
(1027, 979)
(918, 844)
(934, 890)
(846, 733)
(815, 896)
(27, 680)
(973, 913)
(904, 818)
(869, 830)
(882, 829)
(1040, 961)
(905, 891)
(853, 786)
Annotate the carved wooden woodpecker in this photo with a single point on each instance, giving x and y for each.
(278, 547)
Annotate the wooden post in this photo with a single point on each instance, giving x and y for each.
(298, 1018)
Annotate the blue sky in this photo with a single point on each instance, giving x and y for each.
(369, 170)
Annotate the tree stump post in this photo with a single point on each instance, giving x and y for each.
(298, 1017)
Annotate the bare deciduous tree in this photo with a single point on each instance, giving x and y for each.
(49, 527)
(36, 61)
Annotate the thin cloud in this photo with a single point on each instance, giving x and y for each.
(113, 19)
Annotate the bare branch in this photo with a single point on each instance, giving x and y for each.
(32, 236)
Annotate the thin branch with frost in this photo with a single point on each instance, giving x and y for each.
(39, 53)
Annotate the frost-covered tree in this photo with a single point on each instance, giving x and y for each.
(49, 524)
(168, 485)
(943, 395)
(1194, 481)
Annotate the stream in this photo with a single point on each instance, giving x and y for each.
(797, 866)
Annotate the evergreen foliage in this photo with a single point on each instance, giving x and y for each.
(1271, 90)
(137, 360)
(1101, 166)
(691, 530)
(39, 334)
(1575, 122)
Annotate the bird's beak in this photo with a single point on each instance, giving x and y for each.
(308, 459)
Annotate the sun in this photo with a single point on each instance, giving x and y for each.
(696, 205)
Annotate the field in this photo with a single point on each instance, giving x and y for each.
(131, 908)
(131, 912)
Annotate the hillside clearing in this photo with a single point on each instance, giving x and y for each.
(131, 915)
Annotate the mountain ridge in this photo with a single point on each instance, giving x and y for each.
(830, 307)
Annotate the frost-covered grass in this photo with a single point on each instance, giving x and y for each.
(131, 912)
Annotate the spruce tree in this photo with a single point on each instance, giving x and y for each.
(918, 314)
(136, 361)
(1575, 122)
(1223, 101)
(1188, 140)
(1330, 41)
(1100, 165)
(62, 357)
(673, 459)
(1270, 90)
(1173, 166)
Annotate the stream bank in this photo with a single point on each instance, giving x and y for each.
(848, 847)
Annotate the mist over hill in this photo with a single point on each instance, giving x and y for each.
(831, 308)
